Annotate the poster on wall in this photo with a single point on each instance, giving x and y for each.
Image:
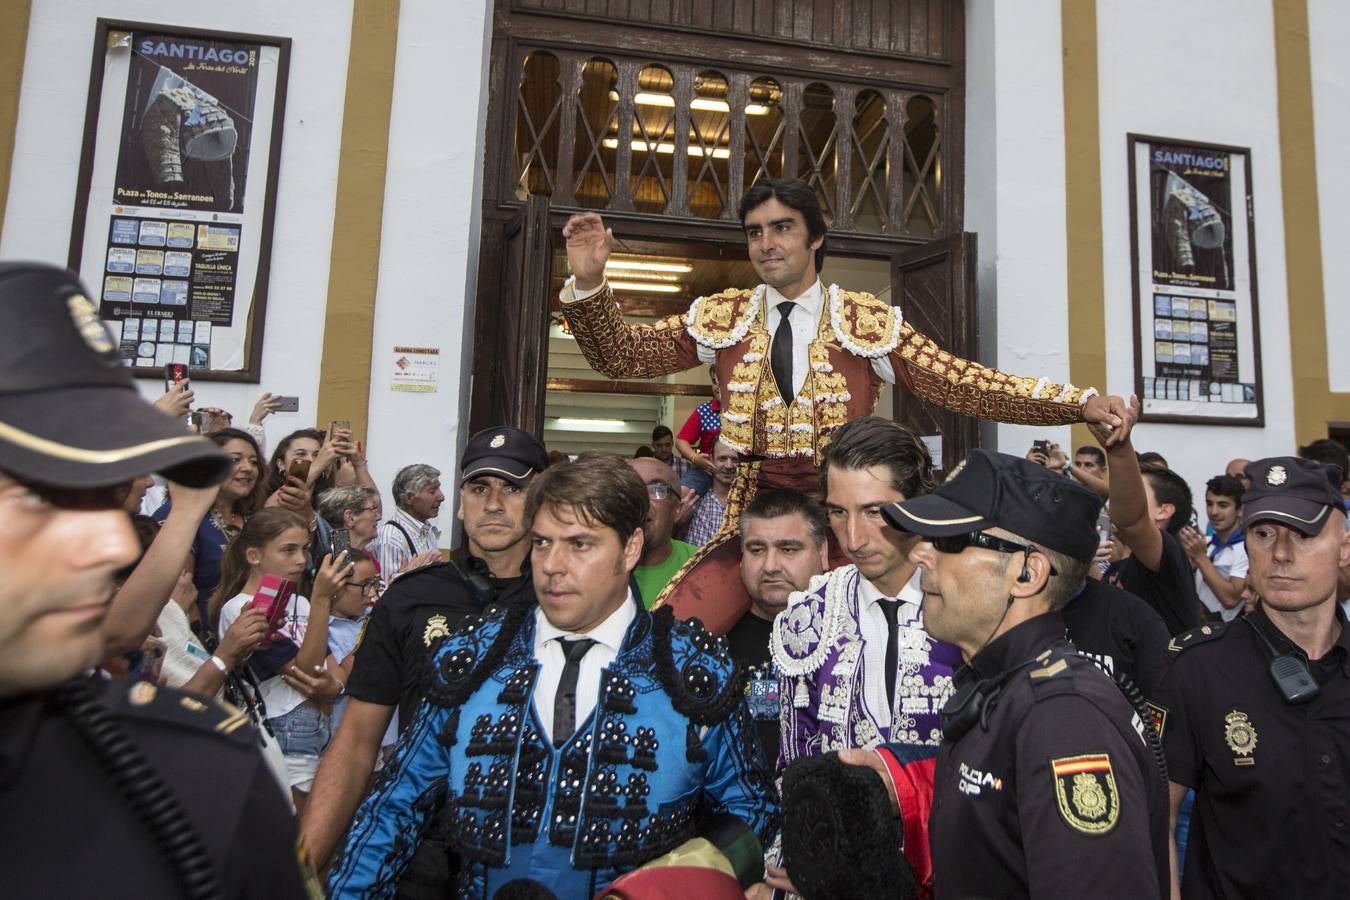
(177, 191)
(1193, 248)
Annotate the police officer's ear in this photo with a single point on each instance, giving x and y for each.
(1345, 543)
(1030, 574)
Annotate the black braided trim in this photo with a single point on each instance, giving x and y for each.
(449, 687)
(712, 710)
(141, 786)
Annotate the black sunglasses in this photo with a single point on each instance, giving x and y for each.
(955, 543)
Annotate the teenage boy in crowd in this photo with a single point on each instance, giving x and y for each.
(1220, 562)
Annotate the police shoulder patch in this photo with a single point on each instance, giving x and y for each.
(1085, 791)
(1195, 637)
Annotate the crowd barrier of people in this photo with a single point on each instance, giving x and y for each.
(770, 655)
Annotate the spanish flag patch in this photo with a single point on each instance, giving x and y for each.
(1085, 788)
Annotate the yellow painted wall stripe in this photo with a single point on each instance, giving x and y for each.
(13, 46)
(1314, 403)
(349, 319)
(1083, 201)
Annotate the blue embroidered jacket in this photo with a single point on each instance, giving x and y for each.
(670, 743)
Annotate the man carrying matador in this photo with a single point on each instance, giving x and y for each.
(796, 359)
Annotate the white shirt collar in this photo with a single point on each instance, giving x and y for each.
(869, 593)
(610, 632)
(811, 301)
(407, 519)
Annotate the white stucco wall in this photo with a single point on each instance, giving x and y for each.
(1328, 29)
(50, 132)
(1202, 70)
(429, 245)
(1015, 193)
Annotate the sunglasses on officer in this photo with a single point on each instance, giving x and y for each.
(955, 543)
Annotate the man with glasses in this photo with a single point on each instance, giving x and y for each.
(1048, 783)
(490, 568)
(662, 555)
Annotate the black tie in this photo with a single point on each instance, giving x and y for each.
(565, 701)
(780, 357)
(891, 609)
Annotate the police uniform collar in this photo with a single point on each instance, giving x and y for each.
(1019, 644)
(474, 565)
(1258, 619)
(18, 726)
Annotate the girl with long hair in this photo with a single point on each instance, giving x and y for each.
(296, 676)
(239, 497)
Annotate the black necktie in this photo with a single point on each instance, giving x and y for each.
(891, 609)
(565, 701)
(780, 357)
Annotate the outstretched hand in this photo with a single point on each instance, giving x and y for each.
(1110, 419)
(588, 245)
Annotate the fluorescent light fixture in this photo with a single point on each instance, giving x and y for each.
(668, 147)
(644, 266)
(645, 286)
(609, 425)
(708, 104)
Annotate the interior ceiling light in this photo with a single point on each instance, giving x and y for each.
(645, 287)
(655, 277)
(708, 104)
(668, 147)
(569, 424)
(649, 266)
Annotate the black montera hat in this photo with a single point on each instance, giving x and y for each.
(995, 490)
(841, 838)
(1300, 493)
(505, 452)
(70, 415)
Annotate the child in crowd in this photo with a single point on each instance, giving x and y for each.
(298, 678)
(350, 609)
(697, 438)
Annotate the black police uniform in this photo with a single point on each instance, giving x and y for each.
(1272, 780)
(1121, 632)
(417, 609)
(1054, 790)
(68, 830)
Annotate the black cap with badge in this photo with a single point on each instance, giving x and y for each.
(70, 414)
(1289, 491)
(995, 490)
(505, 452)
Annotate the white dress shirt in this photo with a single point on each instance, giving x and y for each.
(804, 320)
(872, 626)
(608, 637)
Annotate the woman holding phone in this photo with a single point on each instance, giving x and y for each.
(297, 678)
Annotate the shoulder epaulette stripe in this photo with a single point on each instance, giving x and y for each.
(1051, 670)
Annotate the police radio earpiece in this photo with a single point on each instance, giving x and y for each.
(1290, 674)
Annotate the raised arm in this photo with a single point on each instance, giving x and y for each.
(613, 347)
(961, 385)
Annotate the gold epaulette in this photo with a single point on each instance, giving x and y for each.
(722, 320)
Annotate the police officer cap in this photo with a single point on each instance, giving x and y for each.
(70, 415)
(841, 839)
(505, 452)
(995, 490)
(1296, 492)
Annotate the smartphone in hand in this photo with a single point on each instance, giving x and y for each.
(299, 469)
(272, 597)
(1041, 447)
(342, 540)
(173, 374)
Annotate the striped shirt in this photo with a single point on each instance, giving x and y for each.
(391, 544)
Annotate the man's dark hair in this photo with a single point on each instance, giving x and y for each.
(661, 431)
(644, 452)
(1169, 487)
(1226, 486)
(1151, 460)
(599, 488)
(1095, 452)
(794, 193)
(770, 503)
(874, 441)
(1329, 453)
